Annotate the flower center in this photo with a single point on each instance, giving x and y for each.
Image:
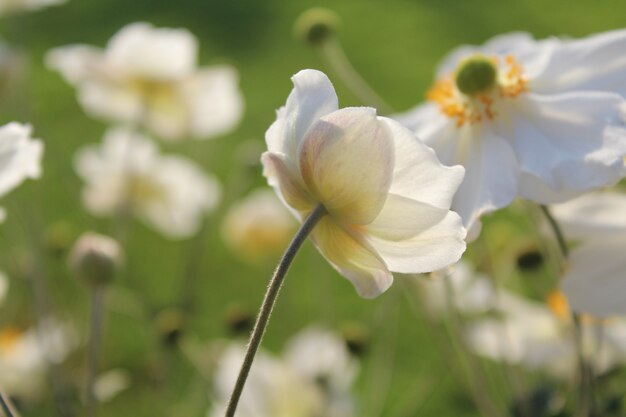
(471, 95)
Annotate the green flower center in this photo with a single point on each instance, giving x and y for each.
(476, 75)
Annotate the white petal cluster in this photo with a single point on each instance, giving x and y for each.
(314, 378)
(149, 76)
(595, 281)
(13, 6)
(25, 355)
(259, 226)
(386, 194)
(20, 157)
(550, 127)
(126, 172)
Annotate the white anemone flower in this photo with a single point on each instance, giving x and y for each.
(259, 226)
(25, 355)
(273, 389)
(386, 194)
(149, 76)
(595, 281)
(14, 6)
(20, 157)
(541, 120)
(126, 172)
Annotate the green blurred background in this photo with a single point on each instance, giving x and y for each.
(394, 44)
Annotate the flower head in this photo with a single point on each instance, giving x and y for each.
(126, 172)
(386, 195)
(541, 120)
(20, 157)
(149, 76)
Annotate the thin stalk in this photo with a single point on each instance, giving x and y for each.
(336, 58)
(7, 406)
(95, 336)
(268, 304)
(585, 397)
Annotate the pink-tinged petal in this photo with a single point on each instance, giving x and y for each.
(286, 180)
(353, 257)
(312, 97)
(563, 140)
(402, 218)
(491, 173)
(436, 247)
(346, 161)
(595, 63)
(596, 281)
(417, 173)
(593, 215)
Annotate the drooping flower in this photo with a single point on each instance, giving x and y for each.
(20, 157)
(149, 76)
(126, 172)
(259, 226)
(595, 281)
(14, 6)
(25, 355)
(386, 194)
(313, 377)
(539, 120)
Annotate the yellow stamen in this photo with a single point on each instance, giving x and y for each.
(558, 304)
(8, 338)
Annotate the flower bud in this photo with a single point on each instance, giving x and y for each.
(95, 258)
(315, 26)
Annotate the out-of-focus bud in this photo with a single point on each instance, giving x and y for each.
(58, 237)
(171, 325)
(357, 338)
(315, 26)
(238, 319)
(95, 258)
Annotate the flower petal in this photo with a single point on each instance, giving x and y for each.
(353, 257)
(312, 97)
(435, 247)
(418, 174)
(596, 283)
(285, 179)
(346, 161)
(561, 140)
(74, 62)
(593, 215)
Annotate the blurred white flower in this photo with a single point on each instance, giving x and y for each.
(272, 389)
(4, 286)
(538, 120)
(386, 194)
(313, 378)
(20, 157)
(13, 6)
(126, 172)
(111, 383)
(259, 226)
(25, 355)
(149, 76)
(595, 281)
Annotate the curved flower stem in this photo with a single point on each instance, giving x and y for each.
(268, 304)
(336, 58)
(97, 304)
(585, 401)
(6, 405)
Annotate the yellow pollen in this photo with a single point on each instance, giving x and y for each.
(475, 108)
(557, 302)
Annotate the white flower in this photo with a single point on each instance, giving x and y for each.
(12, 6)
(386, 194)
(595, 281)
(111, 383)
(26, 354)
(259, 226)
(126, 171)
(535, 119)
(20, 157)
(148, 76)
(272, 388)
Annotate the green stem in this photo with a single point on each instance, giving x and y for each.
(7, 406)
(95, 338)
(336, 58)
(268, 304)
